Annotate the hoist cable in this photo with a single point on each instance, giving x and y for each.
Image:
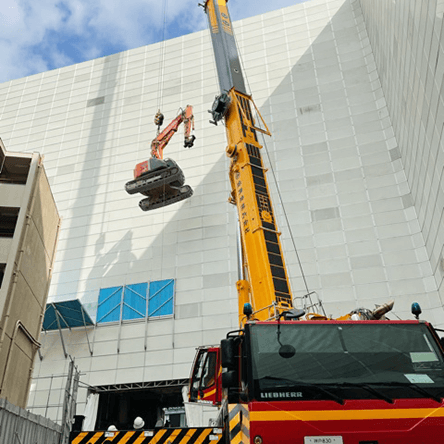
(162, 58)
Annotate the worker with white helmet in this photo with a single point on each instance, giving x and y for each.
(112, 428)
(138, 423)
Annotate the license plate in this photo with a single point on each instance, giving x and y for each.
(323, 440)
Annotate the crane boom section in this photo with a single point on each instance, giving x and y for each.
(267, 286)
(229, 70)
(262, 251)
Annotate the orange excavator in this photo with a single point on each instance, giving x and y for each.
(161, 180)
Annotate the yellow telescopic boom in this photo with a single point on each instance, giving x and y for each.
(265, 285)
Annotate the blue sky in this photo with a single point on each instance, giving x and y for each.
(39, 35)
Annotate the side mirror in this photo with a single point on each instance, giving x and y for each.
(228, 353)
(292, 314)
(193, 394)
(229, 379)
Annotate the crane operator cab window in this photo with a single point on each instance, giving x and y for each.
(203, 383)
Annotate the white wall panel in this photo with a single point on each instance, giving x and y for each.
(347, 177)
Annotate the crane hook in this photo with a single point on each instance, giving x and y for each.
(158, 119)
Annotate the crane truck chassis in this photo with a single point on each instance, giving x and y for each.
(282, 377)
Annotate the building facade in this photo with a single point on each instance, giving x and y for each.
(29, 228)
(351, 201)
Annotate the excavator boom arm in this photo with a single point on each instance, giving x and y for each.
(161, 141)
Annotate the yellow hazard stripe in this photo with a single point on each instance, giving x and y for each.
(157, 437)
(203, 436)
(235, 420)
(92, 440)
(139, 440)
(126, 438)
(187, 437)
(165, 436)
(237, 439)
(239, 424)
(338, 415)
(213, 18)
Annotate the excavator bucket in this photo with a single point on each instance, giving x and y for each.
(161, 180)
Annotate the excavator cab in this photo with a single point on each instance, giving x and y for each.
(161, 180)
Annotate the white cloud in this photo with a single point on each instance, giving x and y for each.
(32, 32)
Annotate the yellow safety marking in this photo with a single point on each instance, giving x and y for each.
(224, 17)
(111, 439)
(213, 18)
(234, 421)
(237, 439)
(338, 415)
(187, 437)
(203, 436)
(78, 438)
(140, 439)
(94, 439)
(246, 421)
(126, 437)
(172, 437)
(158, 436)
(209, 393)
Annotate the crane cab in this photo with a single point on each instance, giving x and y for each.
(204, 392)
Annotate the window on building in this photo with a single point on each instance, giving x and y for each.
(2, 273)
(14, 169)
(136, 301)
(8, 221)
(161, 298)
(110, 304)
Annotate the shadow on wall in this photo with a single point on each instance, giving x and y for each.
(310, 111)
(294, 108)
(94, 156)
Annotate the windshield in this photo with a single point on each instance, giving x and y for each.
(346, 361)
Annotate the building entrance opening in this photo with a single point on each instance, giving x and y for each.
(157, 405)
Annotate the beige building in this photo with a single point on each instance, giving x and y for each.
(29, 227)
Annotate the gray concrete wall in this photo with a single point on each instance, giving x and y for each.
(407, 38)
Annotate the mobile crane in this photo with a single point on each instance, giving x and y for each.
(282, 378)
(357, 379)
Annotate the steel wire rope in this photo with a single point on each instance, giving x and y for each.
(162, 58)
(159, 105)
(275, 179)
